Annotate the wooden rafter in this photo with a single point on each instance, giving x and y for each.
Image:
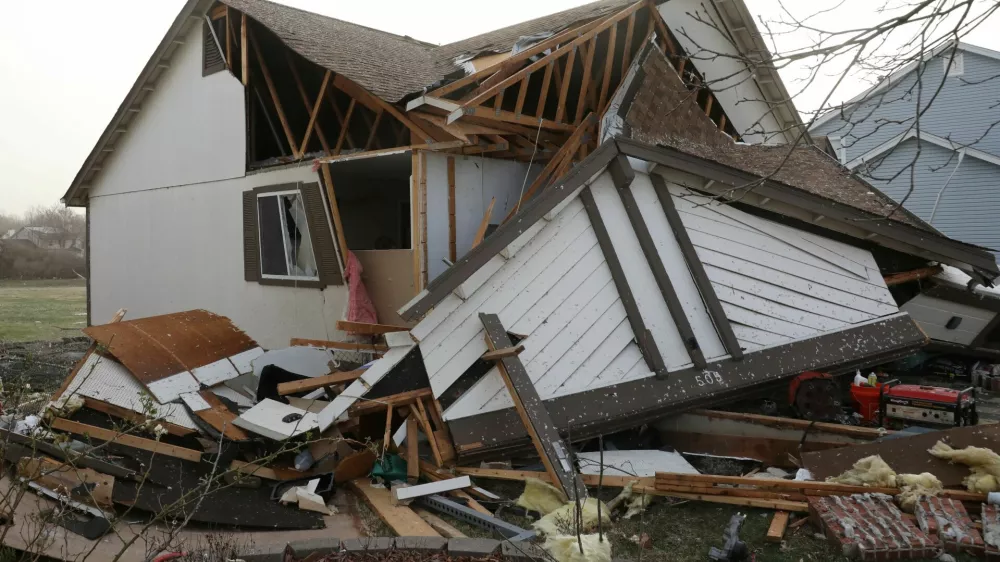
(627, 54)
(585, 83)
(314, 114)
(374, 129)
(344, 126)
(310, 106)
(244, 51)
(274, 94)
(609, 63)
(341, 119)
(375, 103)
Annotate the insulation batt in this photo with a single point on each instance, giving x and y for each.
(874, 472)
(541, 497)
(985, 465)
(563, 520)
(915, 486)
(566, 548)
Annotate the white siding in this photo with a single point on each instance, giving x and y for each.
(179, 248)
(477, 181)
(190, 129)
(933, 314)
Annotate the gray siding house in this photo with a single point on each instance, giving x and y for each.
(951, 160)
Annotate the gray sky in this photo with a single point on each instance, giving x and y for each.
(64, 80)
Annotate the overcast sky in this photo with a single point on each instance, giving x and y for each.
(64, 76)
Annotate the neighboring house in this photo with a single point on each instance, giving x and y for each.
(47, 238)
(946, 168)
(203, 191)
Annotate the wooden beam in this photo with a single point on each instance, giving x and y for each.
(314, 114)
(501, 353)
(446, 529)
(134, 417)
(341, 120)
(387, 436)
(376, 103)
(412, 450)
(374, 129)
(697, 269)
(546, 85)
(274, 95)
(564, 91)
(421, 414)
(522, 93)
(347, 346)
(609, 63)
(452, 226)
(776, 532)
(343, 128)
(799, 507)
(377, 405)
(102, 434)
(490, 114)
(331, 197)
(627, 54)
(244, 51)
(229, 42)
(401, 519)
(555, 455)
(481, 232)
(218, 12)
(368, 329)
(306, 100)
(588, 68)
(912, 275)
(393, 150)
(522, 475)
(312, 383)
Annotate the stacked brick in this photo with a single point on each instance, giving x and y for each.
(949, 522)
(991, 532)
(870, 527)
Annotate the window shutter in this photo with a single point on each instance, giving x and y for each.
(251, 252)
(212, 59)
(322, 236)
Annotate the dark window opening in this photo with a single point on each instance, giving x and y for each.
(373, 197)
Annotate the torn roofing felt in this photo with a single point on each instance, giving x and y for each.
(177, 353)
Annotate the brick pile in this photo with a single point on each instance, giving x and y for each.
(948, 521)
(991, 532)
(870, 527)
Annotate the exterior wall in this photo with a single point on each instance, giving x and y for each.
(477, 181)
(179, 248)
(191, 129)
(728, 77)
(967, 209)
(963, 111)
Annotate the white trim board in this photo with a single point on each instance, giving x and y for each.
(926, 137)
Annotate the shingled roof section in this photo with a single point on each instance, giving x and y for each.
(663, 112)
(387, 65)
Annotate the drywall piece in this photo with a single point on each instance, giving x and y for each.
(171, 388)
(398, 339)
(102, 378)
(214, 373)
(243, 362)
(275, 420)
(240, 399)
(305, 361)
(634, 463)
(358, 388)
(432, 488)
(195, 401)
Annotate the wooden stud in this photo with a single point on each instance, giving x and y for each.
(776, 532)
(229, 48)
(335, 212)
(452, 227)
(421, 414)
(627, 54)
(588, 68)
(661, 28)
(312, 383)
(412, 450)
(314, 114)
(521, 94)
(415, 219)
(307, 101)
(401, 519)
(347, 346)
(546, 82)
(343, 128)
(609, 63)
(341, 119)
(799, 507)
(244, 51)
(564, 91)
(708, 105)
(374, 129)
(128, 440)
(912, 275)
(368, 329)
(401, 399)
(501, 353)
(481, 232)
(274, 95)
(387, 436)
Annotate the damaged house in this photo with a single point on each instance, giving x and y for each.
(205, 189)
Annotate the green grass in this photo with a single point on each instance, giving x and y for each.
(42, 309)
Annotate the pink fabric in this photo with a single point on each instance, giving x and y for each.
(359, 306)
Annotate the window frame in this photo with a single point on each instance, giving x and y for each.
(297, 191)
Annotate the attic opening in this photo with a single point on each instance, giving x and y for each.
(373, 196)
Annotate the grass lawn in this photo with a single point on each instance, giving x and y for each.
(42, 309)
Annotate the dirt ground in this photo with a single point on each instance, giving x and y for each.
(42, 309)
(42, 364)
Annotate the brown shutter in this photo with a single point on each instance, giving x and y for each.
(251, 253)
(322, 236)
(212, 59)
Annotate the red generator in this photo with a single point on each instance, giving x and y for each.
(926, 405)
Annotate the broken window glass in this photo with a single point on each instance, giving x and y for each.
(285, 246)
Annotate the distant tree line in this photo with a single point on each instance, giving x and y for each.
(20, 260)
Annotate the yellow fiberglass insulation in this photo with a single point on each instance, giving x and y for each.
(541, 497)
(869, 471)
(915, 486)
(563, 520)
(566, 548)
(985, 465)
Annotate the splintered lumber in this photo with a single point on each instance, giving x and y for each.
(401, 519)
(912, 275)
(737, 492)
(548, 443)
(784, 505)
(346, 346)
(305, 385)
(869, 433)
(501, 353)
(81, 484)
(368, 329)
(522, 475)
(481, 232)
(439, 487)
(779, 523)
(412, 457)
(378, 404)
(128, 440)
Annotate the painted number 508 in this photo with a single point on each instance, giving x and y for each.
(708, 377)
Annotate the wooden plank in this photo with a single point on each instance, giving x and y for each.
(555, 455)
(446, 529)
(293, 146)
(393, 150)
(128, 440)
(134, 417)
(736, 492)
(425, 424)
(452, 228)
(244, 51)
(627, 51)
(481, 231)
(501, 353)
(220, 417)
(387, 436)
(490, 114)
(609, 63)
(650, 351)
(564, 90)
(588, 68)
(368, 329)
(623, 175)
(347, 346)
(401, 519)
(313, 383)
(331, 197)
(412, 449)
(544, 95)
(697, 269)
(81, 484)
(779, 523)
(522, 475)
(315, 113)
(522, 93)
(374, 129)
(912, 275)
(869, 433)
(673, 479)
(377, 405)
(344, 127)
(798, 507)
(439, 487)
(229, 42)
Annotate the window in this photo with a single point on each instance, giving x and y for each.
(287, 237)
(953, 66)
